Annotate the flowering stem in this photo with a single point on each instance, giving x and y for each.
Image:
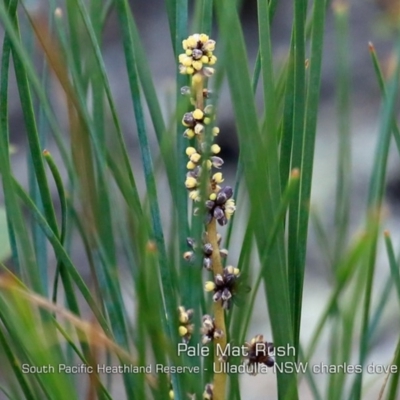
(219, 205)
(219, 315)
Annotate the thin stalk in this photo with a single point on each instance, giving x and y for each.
(219, 315)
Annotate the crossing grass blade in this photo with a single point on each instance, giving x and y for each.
(376, 191)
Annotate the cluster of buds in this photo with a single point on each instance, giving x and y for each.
(185, 323)
(220, 205)
(203, 156)
(209, 331)
(198, 55)
(196, 121)
(207, 251)
(259, 352)
(225, 286)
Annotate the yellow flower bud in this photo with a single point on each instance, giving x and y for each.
(189, 52)
(215, 131)
(195, 157)
(182, 57)
(204, 60)
(209, 286)
(207, 120)
(182, 331)
(229, 208)
(197, 65)
(213, 196)
(203, 37)
(191, 41)
(184, 44)
(190, 151)
(183, 317)
(189, 70)
(232, 270)
(213, 60)
(190, 182)
(187, 62)
(209, 164)
(215, 149)
(198, 114)
(171, 395)
(218, 178)
(194, 195)
(189, 133)
(190, 165)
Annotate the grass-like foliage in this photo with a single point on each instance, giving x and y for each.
(103, 290)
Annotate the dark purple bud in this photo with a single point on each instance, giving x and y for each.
(221, 198)
(196, 172)
(207, 249)
(197, 54)
(208, 218)
(218, 213)
(269, 362)
(222, 221)
(226, 294)
(210, 204)
(188, 119)
(217, 295)
(217, 162)
(228, 191)
(229, 279)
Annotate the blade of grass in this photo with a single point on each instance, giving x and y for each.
(394, 382)
(306, 155)
(381, 82)
(203, 17)
(60, 252)
(342, 204)
(394, 265)
(376, 191)
(263, 203)
(169, 287)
